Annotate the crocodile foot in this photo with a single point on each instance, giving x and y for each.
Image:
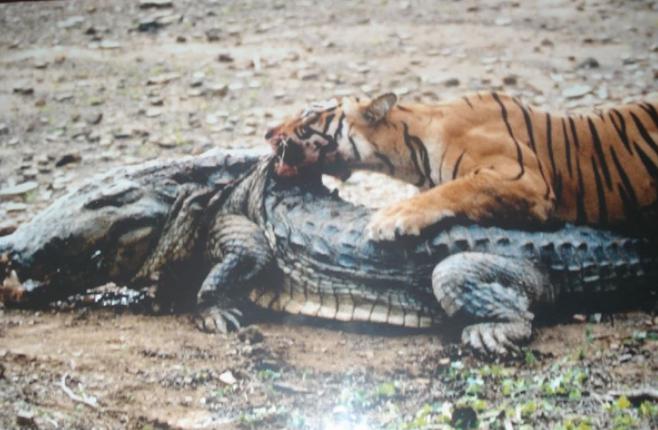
(497, 338)
(216, 319)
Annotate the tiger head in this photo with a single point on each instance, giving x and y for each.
(335, 136)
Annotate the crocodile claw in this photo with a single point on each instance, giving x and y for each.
(496, 338)
(218, 320)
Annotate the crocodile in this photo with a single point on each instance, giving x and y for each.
(223, 240)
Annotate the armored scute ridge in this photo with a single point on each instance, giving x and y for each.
(219, 229)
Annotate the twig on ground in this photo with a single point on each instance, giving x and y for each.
(86, 400)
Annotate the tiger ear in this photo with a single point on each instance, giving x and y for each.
(379, 107)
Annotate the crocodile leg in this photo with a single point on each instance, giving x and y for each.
(244, 253)
(179, 234)
(495, 293)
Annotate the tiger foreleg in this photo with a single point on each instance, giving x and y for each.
(482, 196)
(494, 294)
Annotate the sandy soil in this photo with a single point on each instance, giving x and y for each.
(86, 85)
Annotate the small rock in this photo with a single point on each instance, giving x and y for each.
(217, 89)
(73, 21)
(109, 44)
(580, 318)
(224, 58)
(251, 334)
(197, 79)
(547, 43)
(503, 21)
(4, 128)
(464, 418)
(213, 34)
(94, 118)
(589, 63)
(576, 91)
(18, 190)
(63, 97)
(153, 112)
(6, 227)
(68, 159)
(510, 80)
(40, 64)
(162, 78)
(452, 82)
(181, 39)
(23, 89)
(25, 419)
(165, 142)
(158, 4)
(228, 378)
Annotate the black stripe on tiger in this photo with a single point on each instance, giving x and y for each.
(567, 147)
(596, 141)
(455, 169)
(651, 110)
(621, 129)
(339, 127)
(603, 208)
(468, 102)
(387, 161)
(629, 193)
(644, 133)
(355, 150)
(557, 177)
(652, 170)
(417, 147)
(581, 215)
(519, 153)
(327, 122)
(533, 146)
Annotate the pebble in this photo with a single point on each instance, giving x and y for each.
(18, 190)
(576, 91)
(159, 4)
(589, 63)
(197, 79)
(225, 58)
(4, 128)
(14, 207)
(40, 64)
(503, 21)
(452, 82)
(73, 21)
(68, 159)
(213, 35)
(94, 118)
(510, 80)
(162, 78)
(109, 44)
(228, 378)
(63, 97)
(220, 89)
(7, 227)
(153, 112)
(23, 89)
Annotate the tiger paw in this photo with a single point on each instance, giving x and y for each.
(403, 219)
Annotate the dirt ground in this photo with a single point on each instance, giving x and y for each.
(87, 85)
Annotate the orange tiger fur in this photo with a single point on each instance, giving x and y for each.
(487, 157)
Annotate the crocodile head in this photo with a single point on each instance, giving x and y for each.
(104, 230)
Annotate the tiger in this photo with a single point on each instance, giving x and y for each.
(486, 157)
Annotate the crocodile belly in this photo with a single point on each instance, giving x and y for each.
(353, 305)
